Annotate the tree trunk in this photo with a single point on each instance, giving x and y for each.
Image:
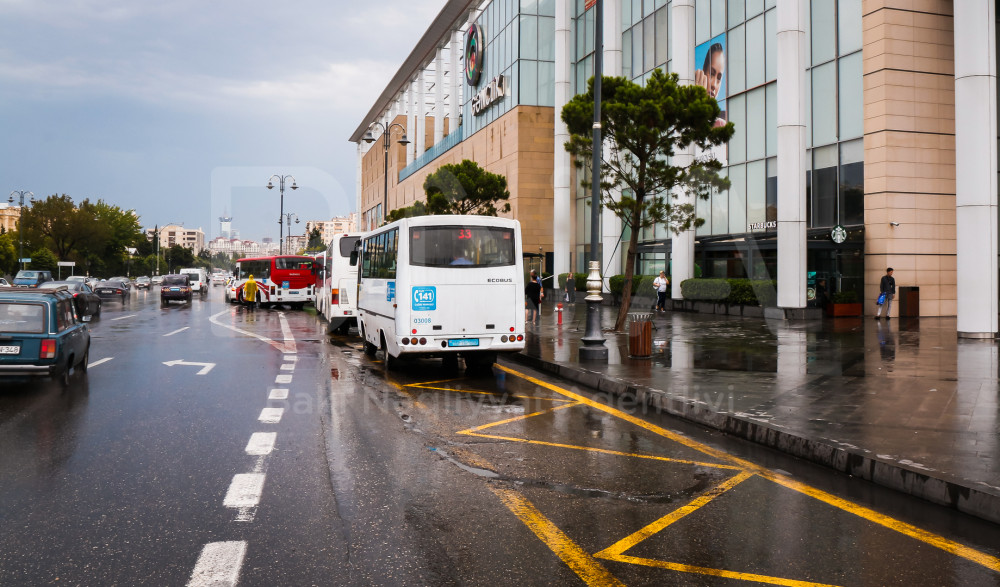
(629, 269)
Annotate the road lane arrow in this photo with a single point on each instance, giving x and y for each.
(205, 367)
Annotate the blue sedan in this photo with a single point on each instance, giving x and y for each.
(40, 334)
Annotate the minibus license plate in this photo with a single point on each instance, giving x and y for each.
(10, 350)
(463, 342)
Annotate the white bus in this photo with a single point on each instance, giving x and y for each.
(337, 288)
(442, 286)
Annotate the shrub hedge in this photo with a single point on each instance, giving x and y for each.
(579, 279)
(745, 292)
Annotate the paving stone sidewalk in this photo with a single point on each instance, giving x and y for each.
(903, 403)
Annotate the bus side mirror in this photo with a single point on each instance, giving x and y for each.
(354, 258)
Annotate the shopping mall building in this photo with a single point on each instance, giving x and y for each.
(866, 137)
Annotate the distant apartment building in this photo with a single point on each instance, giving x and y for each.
(333, 226)
(9, 216)
(235, 247)
(175, 234)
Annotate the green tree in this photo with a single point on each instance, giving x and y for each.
(60, 225)
(179, 257)
(8, 254)
(315, 241)
(643, 127)
(466, 188)
(43, 259)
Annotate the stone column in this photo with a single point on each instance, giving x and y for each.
(792, 56)
(682, 45)
(562, 196)
(456, 80)
(438, 95)
(976, 167)
(411, 121)
(611, 225)
(421, 138)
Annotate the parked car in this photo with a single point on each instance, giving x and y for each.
(142, 282)
(87, 302)
(176, 286)
(31, 278)
(230, 291)
(79, 278)
(3, 282)
(199, 279)
(40, 335)
(112, 290)
(156, 279)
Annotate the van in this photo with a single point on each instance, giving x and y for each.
(31, 278)
(199, 279)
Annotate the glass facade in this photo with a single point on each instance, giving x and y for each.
(747, 30)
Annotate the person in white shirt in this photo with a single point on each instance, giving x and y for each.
(660, 284)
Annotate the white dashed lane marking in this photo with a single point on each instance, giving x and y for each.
(283, 379)
(99, 362)
(176, 331)
(261, 443)
(244, 491)
(278, 393)
(124, 317)
(219, 564)
(271, 415)
(288, 367)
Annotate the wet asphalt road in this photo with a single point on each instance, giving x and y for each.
(421, 476)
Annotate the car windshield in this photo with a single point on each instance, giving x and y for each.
(175, 280)
(27, 274)
(76, 278)
(19, 317)
(58, 284)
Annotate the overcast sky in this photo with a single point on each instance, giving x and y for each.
(181, 110)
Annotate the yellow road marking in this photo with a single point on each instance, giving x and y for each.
(546, 399)
(423, 383)
(950, 546)
(620, 547)
(600, 450)
(402, 388)
(516, 418)
(717, 572)
(585, 566)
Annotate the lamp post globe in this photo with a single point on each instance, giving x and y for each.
(281, 213)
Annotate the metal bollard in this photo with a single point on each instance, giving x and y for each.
(559, 311)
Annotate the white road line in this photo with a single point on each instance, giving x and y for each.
(124, 317)
(214, 320)
(283, 379)
(99, 362)
(261, 443)
(244, 491)
(288, 367)
(271, 415)
(286, 332)
(278, 393)
(176, 331)
(290, 357)
(219, 564)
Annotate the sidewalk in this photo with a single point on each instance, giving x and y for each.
(903, 404)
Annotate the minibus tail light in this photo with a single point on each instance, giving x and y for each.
(423, 341)
(335, 297)
(520, 337)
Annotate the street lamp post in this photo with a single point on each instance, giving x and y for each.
(370, 138)
(20, 233)
(593, 348)
(281, 214)
(288, 223)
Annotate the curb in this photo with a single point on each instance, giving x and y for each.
(982, 501)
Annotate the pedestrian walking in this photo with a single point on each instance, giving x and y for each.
(533, 298)
(887, 287)
(250, 291)
(570, 288)
(660, 284)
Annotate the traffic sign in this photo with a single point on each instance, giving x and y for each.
(66, 263)
(26, 260)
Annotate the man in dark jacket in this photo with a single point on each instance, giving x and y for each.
(888, 287)
(533, 294)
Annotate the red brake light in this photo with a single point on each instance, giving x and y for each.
(512, 329)
(118, 291)
(335, 296)
(414, 331)
(48, 350)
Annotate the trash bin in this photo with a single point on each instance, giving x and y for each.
(640, 335)
(909, 301)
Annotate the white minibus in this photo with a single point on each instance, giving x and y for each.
(442, 286)
(336, 298)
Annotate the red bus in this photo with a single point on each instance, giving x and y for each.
(283, 279)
